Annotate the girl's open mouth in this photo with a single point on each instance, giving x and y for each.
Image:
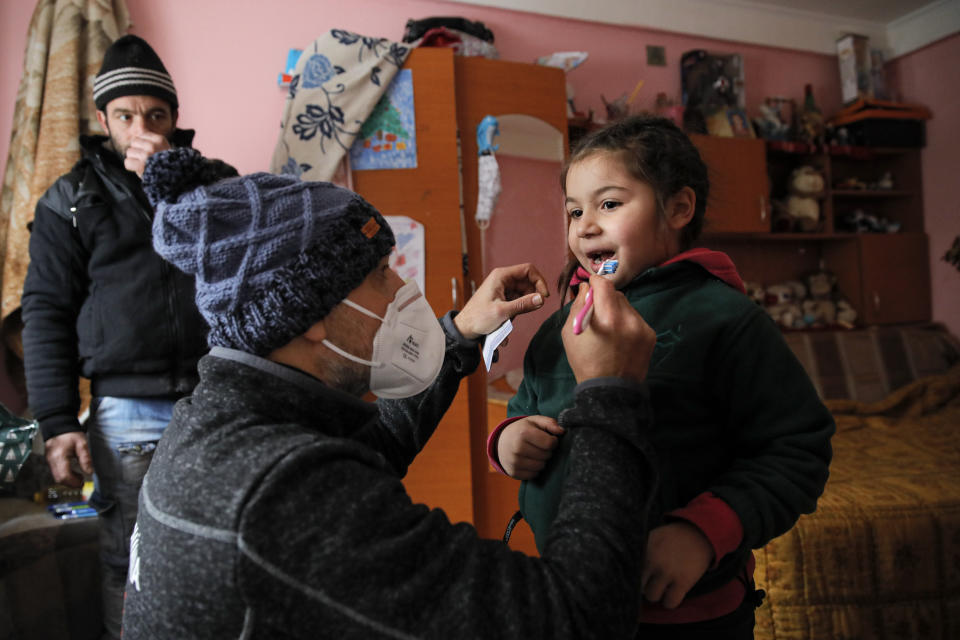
(597, 258)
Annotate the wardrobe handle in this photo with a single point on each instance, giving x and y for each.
(763, 209)
(453, 292)
(876, 301)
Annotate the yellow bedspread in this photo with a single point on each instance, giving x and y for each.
(880, 558)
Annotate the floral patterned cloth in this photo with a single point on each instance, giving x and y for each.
(336, 84)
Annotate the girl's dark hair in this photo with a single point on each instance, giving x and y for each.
(656, 151)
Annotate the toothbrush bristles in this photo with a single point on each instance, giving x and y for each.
(608, 267)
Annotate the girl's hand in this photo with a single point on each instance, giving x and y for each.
(525, 446)
(678, 554)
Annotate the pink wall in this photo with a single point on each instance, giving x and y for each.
(224, 56)
(920, 77)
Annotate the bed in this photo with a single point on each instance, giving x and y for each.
(880, 557)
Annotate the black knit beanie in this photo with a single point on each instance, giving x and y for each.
(132, 68)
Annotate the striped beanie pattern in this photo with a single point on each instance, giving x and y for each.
(132, 68)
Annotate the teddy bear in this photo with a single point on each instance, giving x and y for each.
(824, 307)
(782, 303)
(800, 210)
(819, 313)
(819, 308)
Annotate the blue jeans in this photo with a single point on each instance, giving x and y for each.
(123, 434)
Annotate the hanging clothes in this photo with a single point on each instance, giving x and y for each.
(488, 187)
(65, 46)
(337, 82)
(488, 181)
(488, 171)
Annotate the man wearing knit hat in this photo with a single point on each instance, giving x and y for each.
(274, 507)
(98, 302)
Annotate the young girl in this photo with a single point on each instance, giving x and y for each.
(742, 439)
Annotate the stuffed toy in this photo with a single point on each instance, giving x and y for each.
(846, 314)
(819, 313)
(782, 303)
(811, 125)
(800, 211)
(771, 124)
(825, 307)
(755, 292)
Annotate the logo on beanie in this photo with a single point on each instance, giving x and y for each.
(370, 228)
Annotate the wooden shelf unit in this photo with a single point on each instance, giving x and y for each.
(886, 276)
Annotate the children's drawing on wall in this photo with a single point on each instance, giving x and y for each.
(408, 257)
(388, 139)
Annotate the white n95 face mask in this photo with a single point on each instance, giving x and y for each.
(407, 349)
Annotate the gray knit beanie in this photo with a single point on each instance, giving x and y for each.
(271, 254)
(132, 68)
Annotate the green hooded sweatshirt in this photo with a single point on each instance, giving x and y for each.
(735, 412)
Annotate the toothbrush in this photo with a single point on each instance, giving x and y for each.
(582, 319)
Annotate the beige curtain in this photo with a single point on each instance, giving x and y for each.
(65, 46)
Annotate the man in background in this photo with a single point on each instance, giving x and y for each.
(98, 302)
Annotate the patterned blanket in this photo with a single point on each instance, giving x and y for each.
(880, 558)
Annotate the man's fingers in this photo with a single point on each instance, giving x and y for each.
(150, 142)
(604, 298)
(59, 467)
(525, 278)
(140, 150)
(62, 473)
(525, 304)
(84, 457)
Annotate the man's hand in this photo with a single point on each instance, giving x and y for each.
(505, 293)
(678, 554)
(617, 342)
(141, 148)
(61, 450)
(524, 446)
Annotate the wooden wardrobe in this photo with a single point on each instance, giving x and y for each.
(452, 94)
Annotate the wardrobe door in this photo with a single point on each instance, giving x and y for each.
(430, 194)
(739, 187)
(528, 225)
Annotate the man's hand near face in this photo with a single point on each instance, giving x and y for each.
(142, 147)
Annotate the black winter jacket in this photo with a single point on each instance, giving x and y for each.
(98, 301)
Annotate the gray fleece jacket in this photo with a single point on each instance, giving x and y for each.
(274, 508)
